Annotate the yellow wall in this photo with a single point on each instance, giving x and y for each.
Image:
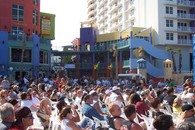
(108, 37)
(125, 33)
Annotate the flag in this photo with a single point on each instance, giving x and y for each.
(96, 66)
(110, 66)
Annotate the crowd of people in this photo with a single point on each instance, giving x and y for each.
(87, 104)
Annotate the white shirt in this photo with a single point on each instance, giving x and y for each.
(64, 125)
(35, 101)
(26, 103)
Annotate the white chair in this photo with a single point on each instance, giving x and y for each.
(148, 121)
(99, 123)
(168, 108)
(54, 122)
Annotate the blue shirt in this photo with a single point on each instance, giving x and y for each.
(90, 112)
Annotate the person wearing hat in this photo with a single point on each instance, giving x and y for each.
(96, 103)
(24, 119)
(116, 96)
(106, 98)
(188, 113)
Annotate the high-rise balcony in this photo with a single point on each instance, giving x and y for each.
(184, 41)
(186, 29)
(186, 16)
(186, 3)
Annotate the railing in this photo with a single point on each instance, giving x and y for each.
(186, 29)
(185, 16)
(185, 41)
(186, 2)
(20, 37)
(86, 66)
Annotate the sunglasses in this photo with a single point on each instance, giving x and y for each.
(192, 110)
(29, 116)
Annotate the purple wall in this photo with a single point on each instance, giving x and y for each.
(87, 35)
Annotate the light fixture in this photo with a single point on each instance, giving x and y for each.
(11, 68)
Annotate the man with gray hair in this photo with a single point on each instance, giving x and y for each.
(7, 116)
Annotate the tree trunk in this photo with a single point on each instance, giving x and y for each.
(180, 62)
(174, 65)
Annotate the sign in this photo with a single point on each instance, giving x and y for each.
(45, 25)
(69, 66)
(55, 68)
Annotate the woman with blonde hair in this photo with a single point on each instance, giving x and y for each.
(177, 104)
(3, 96)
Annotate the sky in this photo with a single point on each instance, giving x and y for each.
(69, 14)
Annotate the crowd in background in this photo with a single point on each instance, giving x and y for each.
(78, 104)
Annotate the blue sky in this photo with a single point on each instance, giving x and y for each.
(69, 14)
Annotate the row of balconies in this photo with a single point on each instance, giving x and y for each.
(185, 16)
(186, 29)
(181, 2)
(88, 65)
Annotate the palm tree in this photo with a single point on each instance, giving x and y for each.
(173, 52)
(180, 59)
(139, 52)
(115, 54)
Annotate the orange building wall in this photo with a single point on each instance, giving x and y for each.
(6, 22)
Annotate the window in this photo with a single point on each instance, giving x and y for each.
(35, 2)
(169, 23)
(179, 24)
(43, 57)
(35, 17)
(181, 11)
(169, 36)
(17, 33)
(182, 37)
(17, 13)
(16, 54)
(169, 10)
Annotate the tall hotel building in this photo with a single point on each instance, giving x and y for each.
(172, 21)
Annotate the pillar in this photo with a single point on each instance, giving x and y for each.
(193, 44)
(141, 68)
(168, 69)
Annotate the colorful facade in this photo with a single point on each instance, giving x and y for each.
(25, 39)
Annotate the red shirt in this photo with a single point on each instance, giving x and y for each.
(141, 108)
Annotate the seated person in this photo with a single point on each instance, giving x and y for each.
(115, 120)
(61, 104)
(90, 111)
(67, 123)
(163, 122)
(24, 119)
(185, 126)
(26, 101)
(130, 113)
(7, 116)
(188, 113)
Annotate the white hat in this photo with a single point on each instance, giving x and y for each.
(91, 92)
(115, 88)
(108, 91)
